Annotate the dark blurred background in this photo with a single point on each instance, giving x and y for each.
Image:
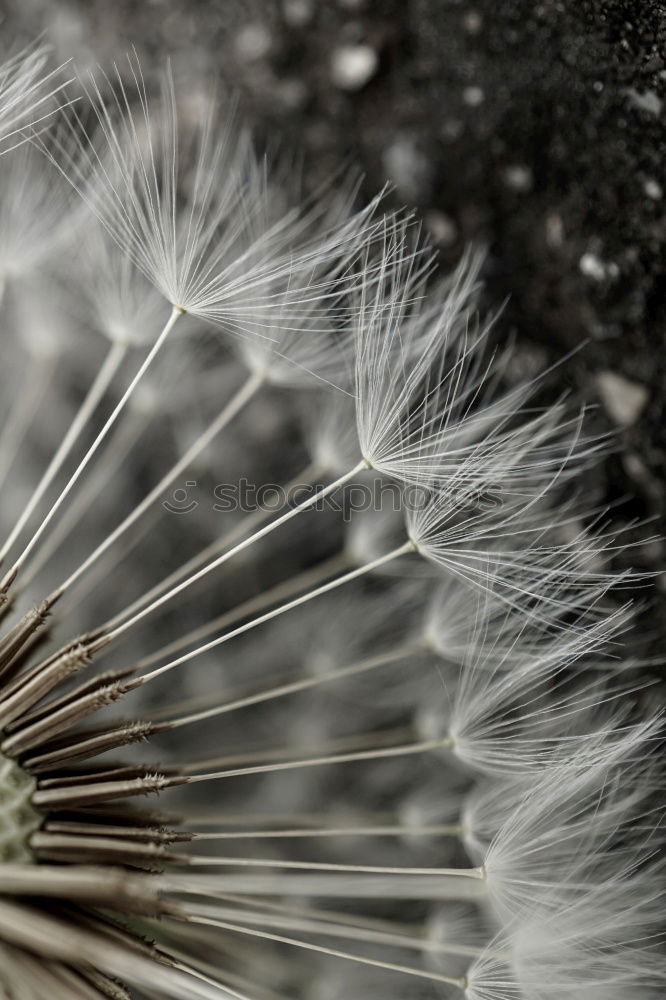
(534, 128)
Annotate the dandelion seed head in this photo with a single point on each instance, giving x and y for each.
(311, 749)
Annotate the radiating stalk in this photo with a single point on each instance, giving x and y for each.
(24, 407)
(306, 924)
(305, 478)
(458, 981)
(423, 746)
(302, 684)
(276, 612)
(403, 830)
(235, 405)
(318, 866)
(74, 478)
(96, 392)
(265, 599)
(240, 547)
(116, 453)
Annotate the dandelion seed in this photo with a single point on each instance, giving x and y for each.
(225, 256)
(26, 93)
(37, 213)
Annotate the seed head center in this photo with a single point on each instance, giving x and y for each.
(18, 819)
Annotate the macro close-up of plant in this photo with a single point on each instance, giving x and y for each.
(318, 677)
